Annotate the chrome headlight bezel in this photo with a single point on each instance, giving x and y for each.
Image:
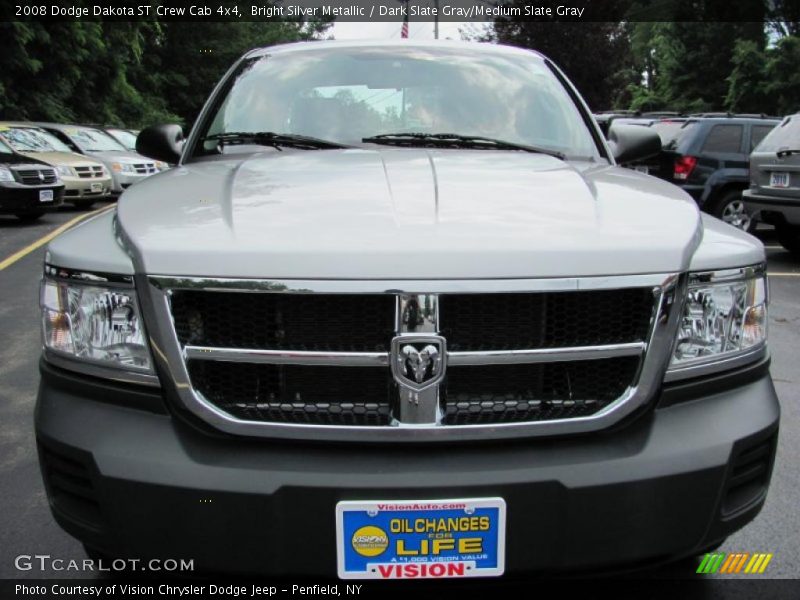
(124, 168)
(6, 174)
(723, 323)
(85, 307)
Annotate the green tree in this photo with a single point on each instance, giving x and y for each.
(783, 75)
(747, 81)
(594, 55)
(189, 58)
(131, 73)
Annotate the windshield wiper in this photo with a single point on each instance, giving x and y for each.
(787, 152)
(456, 140)
(276, 140)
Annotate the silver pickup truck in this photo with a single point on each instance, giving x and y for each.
(396, 313)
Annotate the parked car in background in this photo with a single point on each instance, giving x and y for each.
(774, 194)
(28, 187)
(85, 180)
(126, 167)
(631, 117)
(709, 158)
(126, 137)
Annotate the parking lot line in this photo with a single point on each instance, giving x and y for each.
(789, 274)
(43, 240)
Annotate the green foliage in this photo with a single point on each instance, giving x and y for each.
(782, 84)
(124, 73)
(674, 63)
(747, 91)
(594, 55)
(695, 67)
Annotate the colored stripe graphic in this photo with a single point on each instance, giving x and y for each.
(711, 562)
(734, 562)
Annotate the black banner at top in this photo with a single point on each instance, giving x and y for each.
(396, 10)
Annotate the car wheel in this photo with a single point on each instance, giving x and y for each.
(789, 238)
(83, 204)
(29, 217)
(730, 208)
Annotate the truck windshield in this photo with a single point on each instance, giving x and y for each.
(346, 94)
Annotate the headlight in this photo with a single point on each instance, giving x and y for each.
(161, 166)
(123, 167)
(65, 171)
(6, 174)
(94, 323)
(725, 316)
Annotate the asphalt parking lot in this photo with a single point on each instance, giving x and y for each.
(26, 526)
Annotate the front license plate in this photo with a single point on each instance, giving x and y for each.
(642, 169)
(97, 187)
(421, 538)
(45, 195)
(778, 179)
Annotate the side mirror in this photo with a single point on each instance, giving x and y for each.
(633, 142)
(161, 142)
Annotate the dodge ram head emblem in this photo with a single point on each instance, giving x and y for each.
(418, 362)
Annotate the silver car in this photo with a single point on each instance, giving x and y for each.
(775, 182)
(396, 300)
(126, 167)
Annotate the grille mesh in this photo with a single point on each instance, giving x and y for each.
(475, 322)
(535, 392)
(343, 323)
(296, 394)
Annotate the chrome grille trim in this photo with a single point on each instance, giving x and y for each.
(288, 357)
(35, 176)
(511, 357)
(381, 359)
(668, 293)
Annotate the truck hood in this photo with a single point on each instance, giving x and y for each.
(405, 214)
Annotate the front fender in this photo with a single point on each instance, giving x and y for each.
(91, 246)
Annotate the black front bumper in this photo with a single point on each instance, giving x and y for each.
(141, 483)
(19, 199)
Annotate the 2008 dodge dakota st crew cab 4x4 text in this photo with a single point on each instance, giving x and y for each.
(397, 313)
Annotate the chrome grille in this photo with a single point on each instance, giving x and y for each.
(36, 176)
(89, 172)
(145, 168)
(522, 357)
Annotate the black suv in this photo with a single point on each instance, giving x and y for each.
(708, 156)
(28, 187)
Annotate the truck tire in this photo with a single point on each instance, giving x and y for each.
(789, 238)
(730, 208)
